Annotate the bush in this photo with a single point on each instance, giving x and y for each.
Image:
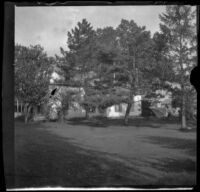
(146, 111)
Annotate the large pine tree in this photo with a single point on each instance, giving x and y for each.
(107, 54)
(135, 44)
(77, 64)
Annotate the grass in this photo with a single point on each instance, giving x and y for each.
(136, 121)
(72, 154)
(105, 122)
(178, 143)
(45, 160)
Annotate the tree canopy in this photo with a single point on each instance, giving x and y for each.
(178, 25)
(33, 71)
(113, 65)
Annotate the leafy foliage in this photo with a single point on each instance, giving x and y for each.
(33, 71)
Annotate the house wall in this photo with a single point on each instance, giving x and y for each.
(136, 109)
(111, 112)
(119, 111)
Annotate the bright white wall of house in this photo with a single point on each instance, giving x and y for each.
(135, 110)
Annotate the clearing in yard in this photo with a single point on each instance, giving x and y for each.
(80, 153)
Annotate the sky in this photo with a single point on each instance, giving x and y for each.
(48, 26)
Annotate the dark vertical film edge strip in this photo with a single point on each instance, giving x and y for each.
(197, 89)
(195, 81)
(8, 95)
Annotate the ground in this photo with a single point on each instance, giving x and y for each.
(104, 153)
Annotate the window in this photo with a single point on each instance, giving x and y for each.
(118, 108)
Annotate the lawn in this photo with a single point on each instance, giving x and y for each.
(104, 153)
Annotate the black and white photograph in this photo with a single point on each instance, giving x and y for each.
(103, 98)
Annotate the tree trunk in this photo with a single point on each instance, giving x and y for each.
(183, 113)
(26, 118)
(134, 83)
(61, 118)
(25, 113)
(127, 113)
(27, 109)
(86, 114)
(63, 115)
(66, 112)
(17, 106)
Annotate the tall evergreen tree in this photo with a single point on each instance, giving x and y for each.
(79, 62)
(179, 26)
(135, 45)
(107, 53)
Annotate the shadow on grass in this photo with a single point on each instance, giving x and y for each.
(188, 145)
(43, 159)
(182, 179)
(103, 122)
(175, 165)
(175, 172)
(19, 118)
(193, 129)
